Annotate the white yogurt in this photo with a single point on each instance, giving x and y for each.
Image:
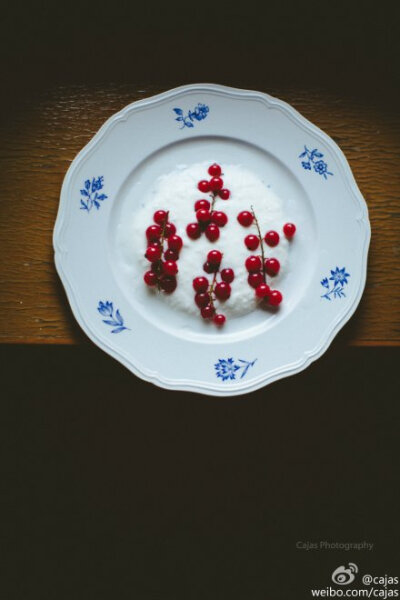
(177, 193)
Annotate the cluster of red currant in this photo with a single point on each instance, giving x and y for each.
(206, 293)
(258, 266)
(209, 220)
(163, 259)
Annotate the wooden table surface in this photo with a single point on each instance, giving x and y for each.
(41, 140)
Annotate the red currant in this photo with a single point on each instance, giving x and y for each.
(222, 290)
(204, 186)
(153, 253)
(253, 263)
(252, 242)
(262, 290)
(227, 275)
(219, 218)
(200, 284)
(272, 238)
(207, 312)
(272, 266)
(202, 300)
(215, 184)
(169, 230)
(209, 268)
(255, 279)
(212, 232)
(175, 242)
(275, 298)
(160, 217)
(214, 257)
(171, 254)
(168, 283)
(245, 218)
(202, 204)
(203, 215)
(224, 194)
(150, 278)
(219, 319)
(153, 233)
(193, 231)
(214, 170)
(289, 229)
(170, 267)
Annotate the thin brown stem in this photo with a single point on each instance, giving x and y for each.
(261, 243)
(211, 289)
(213, 201)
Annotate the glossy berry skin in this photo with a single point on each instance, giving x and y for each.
(275, 298)
(170, 267)
(168, 283)
(202, 204)
(200, 284)
(252, 242)
(272, 238)
(171, 254)
(227, 275)
(203, 215)
(214, 170)
(212, 232)
(262, 290)
(272, 266)
(175, 242)
(209, 268)
(253, 263)
(219, 218)
(160, 216)
(193, 231)
(153, 253)
(222, 290)
(207, 312)
(150, 278)
(216, 184)
(245, 218)
(202, 300)
(224, 194)
(289, 229)
(169, 229)
(214, 257)
(153, 233)
(255, 279)
(219, 319)
(204, 186)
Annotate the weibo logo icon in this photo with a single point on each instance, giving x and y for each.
(343, 576)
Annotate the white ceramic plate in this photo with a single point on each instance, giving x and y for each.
(302, 165)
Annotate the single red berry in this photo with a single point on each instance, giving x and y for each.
(170, 267)
(169, 229)
(212, 232)
(215, 184)
(153, 253)
(224, 194)
(219, 218)
(160, 217)
(150, 278)
(202, 204)
(203, 215)
(207, 312)
(175, 242)
(275, 298)
(200, 284)
(272, 238)
(272, 266)
(219, 319)
(202, 300)
(209, 268)
(193, 231)
(171, 254)
(227, 275)
(222, 290)
(204, 186)
(253, 263)
(254, 279)
(153, 233)
(262, 290)
(252, 242)
(214, 257)
(245, 218)
(168, 283)
(289, 229)
(214, 170)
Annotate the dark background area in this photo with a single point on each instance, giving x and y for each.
(113, 488)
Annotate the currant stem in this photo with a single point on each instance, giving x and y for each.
(213, 201)
(261, 243)
(162, 239)
(211, 290)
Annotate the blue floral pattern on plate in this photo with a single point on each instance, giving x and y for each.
(335, 289)
(90, 193)
(313, 160)
(198, 114)
(228, 368)
(106, 309)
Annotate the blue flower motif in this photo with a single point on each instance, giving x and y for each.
(314, 159)
(306, 165)
(320, 167)
(197, 114)
(339, 279)
(90, 195)
(325, 282)
(339, 276)
(226, 368)
(200, 112)
(106, 309)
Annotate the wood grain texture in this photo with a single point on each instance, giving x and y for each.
(42, 136)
